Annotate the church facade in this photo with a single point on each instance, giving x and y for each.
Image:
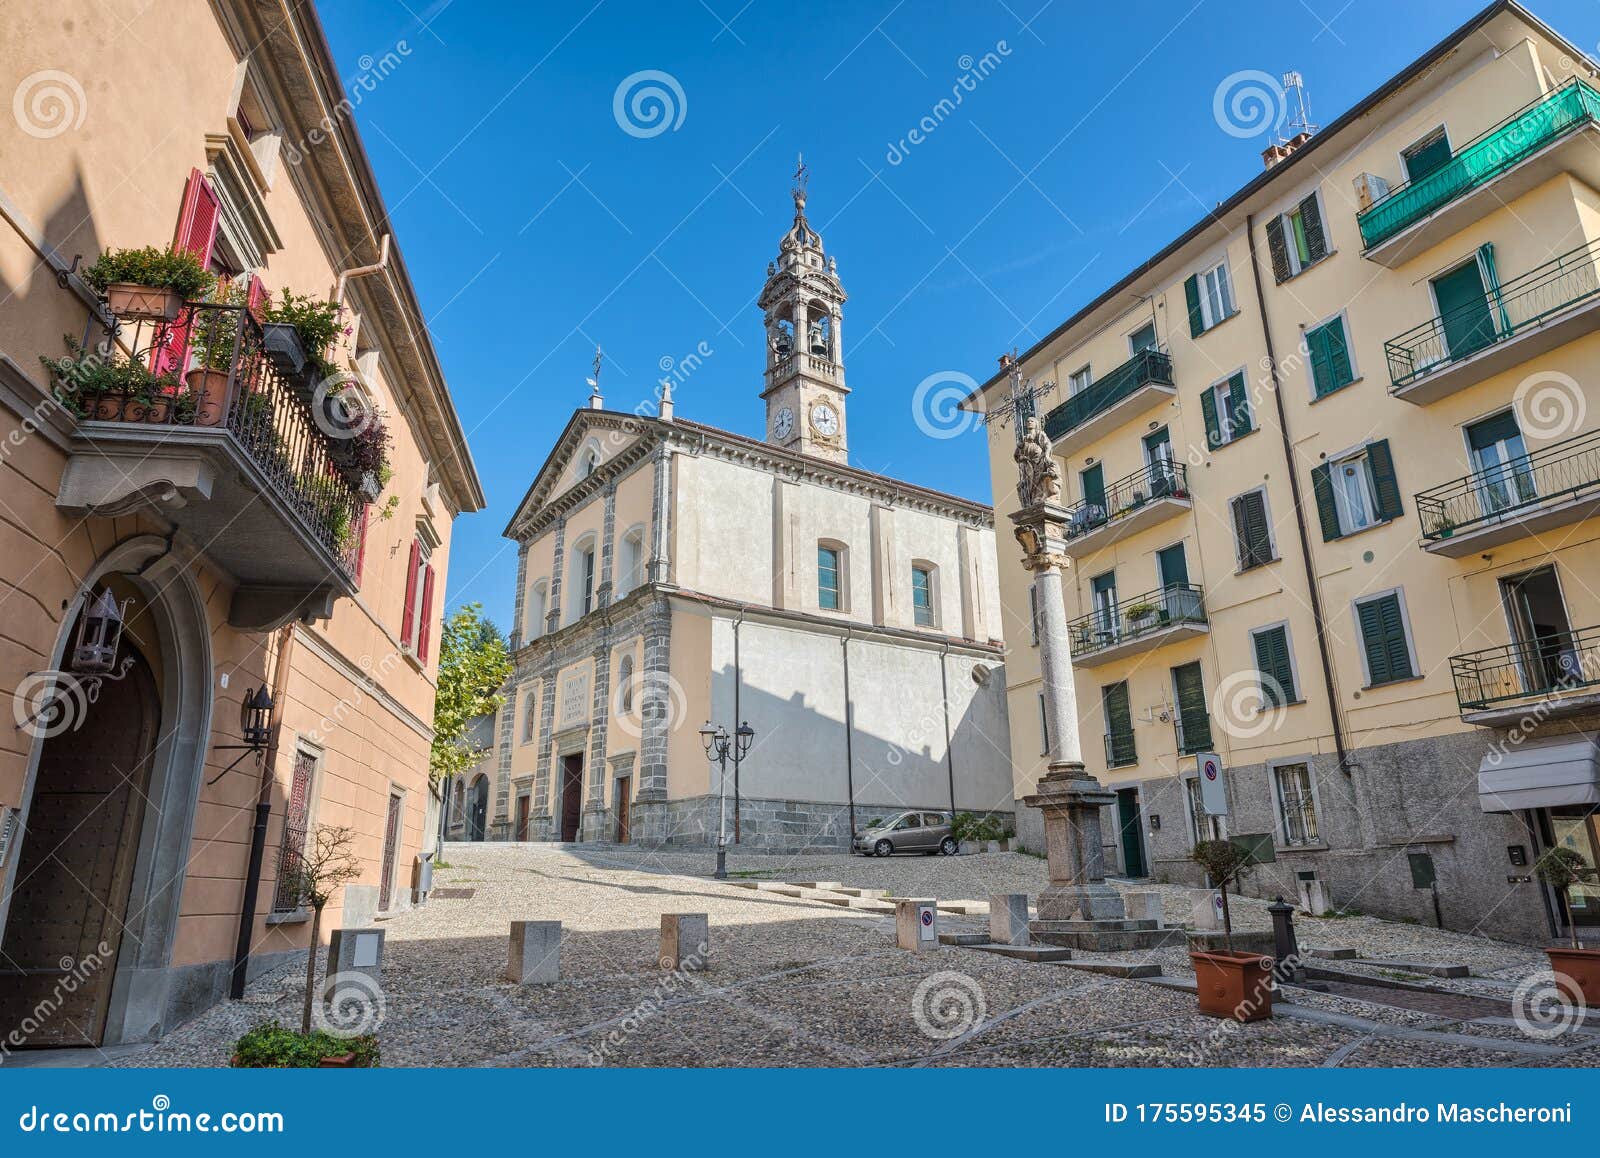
(671, 573)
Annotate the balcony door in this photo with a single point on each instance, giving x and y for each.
(1464, 311)
(1103, 588)
(1546, 656)
(1158, 459)
(1177, 597)
(1502, 476)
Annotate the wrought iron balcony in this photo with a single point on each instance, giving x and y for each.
(1551, 487)
(1550, 676)
(1139, 624)
(225, 445)
(1143, 381)
(1389, 226)
(1132, 504)
(1193, 732)
(1527, 316)
(1120, 750)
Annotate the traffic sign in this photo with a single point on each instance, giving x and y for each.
(1213, 787)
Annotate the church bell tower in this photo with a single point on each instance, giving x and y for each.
(802, 304)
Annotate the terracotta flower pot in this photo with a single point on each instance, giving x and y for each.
(1233, 985)
(159, 409)
(107, 408)
(342, 1061)
(210, 388)
(1581, 967)
(153, 303)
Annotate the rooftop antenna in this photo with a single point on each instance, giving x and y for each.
(595, 401)
(1297, 105)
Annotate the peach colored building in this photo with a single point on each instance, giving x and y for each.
(239, 550)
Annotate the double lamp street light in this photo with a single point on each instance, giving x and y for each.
(718, 744)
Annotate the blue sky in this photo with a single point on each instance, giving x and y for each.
(535, 224)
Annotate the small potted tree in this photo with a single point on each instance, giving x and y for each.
(1561, 869)
(320, 871)
(149, 284)
(1229, 984)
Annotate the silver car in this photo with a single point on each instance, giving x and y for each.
(917, 831)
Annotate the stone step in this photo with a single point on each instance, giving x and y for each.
(841, 902)
(1037, 953)
(871, 893)
(1105, 936)
(1422, 968)
(1126, 969)
(1330, 954)
(968, 940)
(870, 906)
(743, 884)
(829, 885)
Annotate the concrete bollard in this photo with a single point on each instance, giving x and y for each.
(356, 951)
(685, 941)
(1144, 906)
(1008, 918)
(534, 957)
(1205, 912)
(916, 924)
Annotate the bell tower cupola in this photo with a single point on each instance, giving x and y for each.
(802, 305)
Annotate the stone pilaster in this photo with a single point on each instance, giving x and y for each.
(655, 707)
(547, 743)
(607, 547)
(515, 635)
(660, 565)
(513, 693)
(552, 613)
(600, 714)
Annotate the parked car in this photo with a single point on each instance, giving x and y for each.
(925, 832)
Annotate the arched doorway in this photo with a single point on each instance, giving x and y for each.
(478, 809)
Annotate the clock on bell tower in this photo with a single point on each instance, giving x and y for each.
(802, 304)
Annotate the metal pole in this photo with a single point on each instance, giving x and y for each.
(849, 751)
(722, 826)
(738, 679)
(949, 745)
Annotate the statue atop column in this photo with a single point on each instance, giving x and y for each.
(1039, 478)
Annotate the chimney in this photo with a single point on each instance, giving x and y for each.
(1281, 151)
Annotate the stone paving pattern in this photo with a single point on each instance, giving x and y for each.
(794, 982)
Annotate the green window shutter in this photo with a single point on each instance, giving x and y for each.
(1330, 357)
(1383, 638)
(1311, 221)
(1094, 485)
(1250, 530)
(1191, 297)
(1208, 408)
(1327, 512)
(1119, 724)
(1272, 661)
(1428, 157)
(1278, 247)
(1321, 371)
(1189, 690)
(1385, 487)
(1242, 420)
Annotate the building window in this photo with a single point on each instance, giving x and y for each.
(1199, 824)
(530, 717)
(287, 896)
(625, 682)
(1427, 156)
(922, 594)
(1193, 718)
(1328, 349)
(830, 577)
(1114, 702)
(538, 608)
(1252, 529)
(1227, 413)
(591, 462)
(1296, 240)
(416, 626)
(1209, 298)
(1275, 666)
(630, 570)
(1356, 491)
(1078, 381)
(1385, 639)
(1297, 806)
(1144, 338)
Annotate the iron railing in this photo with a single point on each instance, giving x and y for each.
(1193, 732)
(1148, 366)
(1550, 665)
(215, 373)
(1120, 750)
(1159, 480)
(1565, 110)
(1520, 305)
(1134, 618)
(1543, 478)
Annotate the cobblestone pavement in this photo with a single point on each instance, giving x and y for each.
(794, 982)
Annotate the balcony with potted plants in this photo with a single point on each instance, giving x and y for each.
(189, 417)
(1136, 503)
(1137, 625)
(1555, 133)
(1530, 315)
(1137, 386)
(1554, 486)
(1553, 676)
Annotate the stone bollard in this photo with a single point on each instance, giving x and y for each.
(534, 957)
(916, 924)
(1205, 912)
(351, 999)
(1284, 946)
(1008, 918)
(1145, 906)
(1314, 897)
(356, 951)
(685, 941)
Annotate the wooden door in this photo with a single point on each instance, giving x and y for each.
(571, 795)
(76, 864)
(391, 851)
(624, 803)
(522, 817)
(1130, 829)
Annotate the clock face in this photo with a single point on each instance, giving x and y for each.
(783, 423)
(824, 419)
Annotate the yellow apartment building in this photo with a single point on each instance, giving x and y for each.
(1331, 459)
(169, 560)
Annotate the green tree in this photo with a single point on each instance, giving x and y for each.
(473, 665)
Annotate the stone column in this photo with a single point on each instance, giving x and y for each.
(1068, 796)
(655, 705)
(608, 534)
(547, 743)
(552, 612)
(660, 566)
(514, 640)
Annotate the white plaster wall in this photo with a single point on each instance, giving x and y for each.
(722, 529)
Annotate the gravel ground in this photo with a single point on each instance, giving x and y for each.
(795, 982)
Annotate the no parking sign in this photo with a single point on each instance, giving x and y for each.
(1213, 788)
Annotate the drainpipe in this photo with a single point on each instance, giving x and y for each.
(258, 834)
(1298, 499)
(337, 297)
(949, 747)
(849, 739)
(738, 680)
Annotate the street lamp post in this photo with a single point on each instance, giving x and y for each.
(719, 744)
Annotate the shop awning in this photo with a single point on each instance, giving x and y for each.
(1540, 774)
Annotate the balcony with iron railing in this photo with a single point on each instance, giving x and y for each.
(1549, 135)
(1530, 315)
(1140, 384)
(224, 444)
(1193, 732)
(1121, 752)
(1142, 623)
(1550, 677)
(1142, 500)
(1553, 486)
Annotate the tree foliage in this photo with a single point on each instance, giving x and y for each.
(474, 664)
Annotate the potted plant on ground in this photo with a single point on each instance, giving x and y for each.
(149, 283)
(316, 874)
(1229, 984)
(273, 1046)
(1561, 869)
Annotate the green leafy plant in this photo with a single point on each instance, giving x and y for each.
(1226, 864)
(318, 323)
(388, 509)
(172, 269)
(473, 666)
(273, 1046)
(1561, 868)
(1139, 611)
(85, 374)
(215, 332)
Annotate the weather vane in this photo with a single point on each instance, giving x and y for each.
(1022, 404)
(599, 357)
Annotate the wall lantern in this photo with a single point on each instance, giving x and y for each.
(99, 636)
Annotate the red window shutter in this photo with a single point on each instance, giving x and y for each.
(425, 630)
(411, 595)
(256, 297)
(363, 511)
(197, 233)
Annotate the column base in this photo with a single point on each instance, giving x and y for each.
(1096, 901)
